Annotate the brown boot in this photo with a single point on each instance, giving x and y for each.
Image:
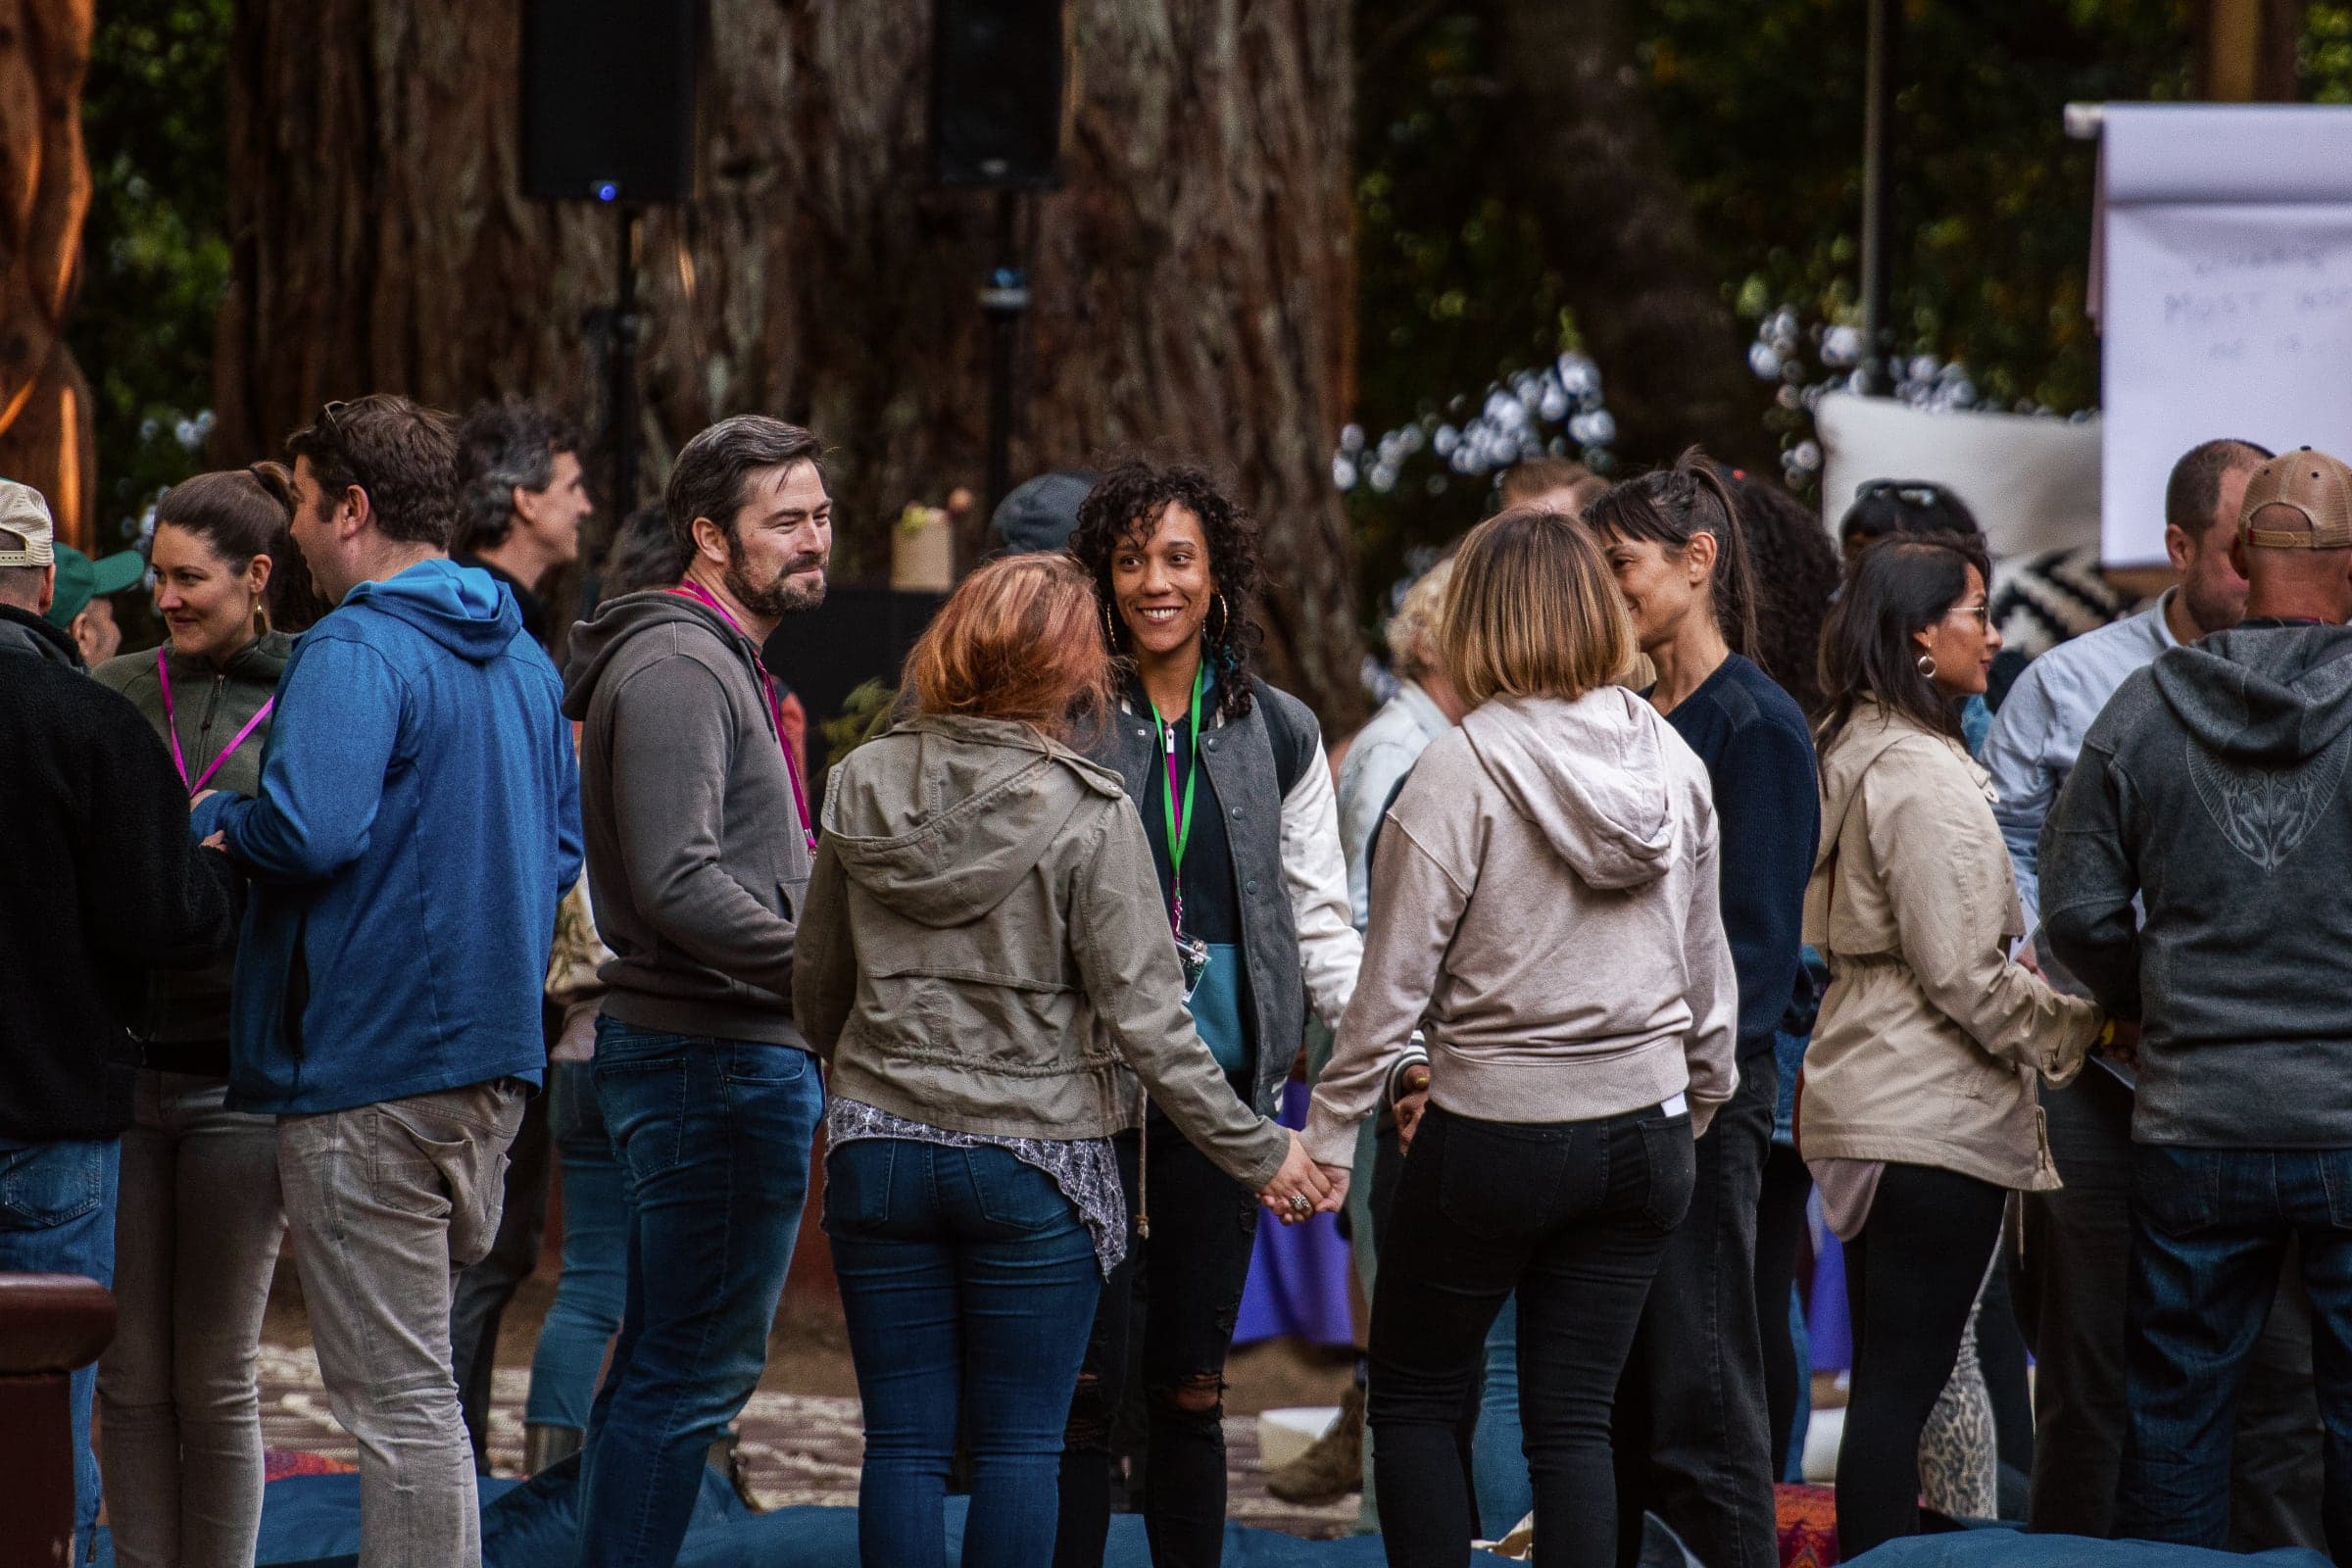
(1333, 1467)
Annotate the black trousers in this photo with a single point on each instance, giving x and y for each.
(1911, 1279)
(1191, 1272)
(1779, 1228)
(1572, 1216)
(1693, 1438)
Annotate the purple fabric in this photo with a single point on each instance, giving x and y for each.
(1826, 1319)
(1298, 1274)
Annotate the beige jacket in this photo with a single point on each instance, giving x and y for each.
(1545, 907)
(1930, 1040)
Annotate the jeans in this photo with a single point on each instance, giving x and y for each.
(1574, 1216)
(1694, 1436)
(2210, 1229)
(593, 1288)
(2072, 1295)
(969, 1284)
(57, 1217)
(713, 1140)
(385, 1203)
(1499, 1458)
(1192, 1270)
(196, 1239)
(482, 1292)
(1911, 1281)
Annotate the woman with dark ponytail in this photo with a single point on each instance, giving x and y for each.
(199, 1219)
(1692, 1435)
(1236, 800)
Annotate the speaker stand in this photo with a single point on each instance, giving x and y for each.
(1004, 301)
(620, 366)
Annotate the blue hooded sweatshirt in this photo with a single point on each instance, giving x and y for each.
(418, 819)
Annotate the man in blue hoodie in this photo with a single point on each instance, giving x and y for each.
(418, 821)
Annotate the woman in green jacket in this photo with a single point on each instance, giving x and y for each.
(198, 1223)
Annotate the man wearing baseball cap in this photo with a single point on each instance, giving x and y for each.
(82, 609)
(2215, 789)
(99, 883)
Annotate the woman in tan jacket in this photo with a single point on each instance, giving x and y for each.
(1918, 1111)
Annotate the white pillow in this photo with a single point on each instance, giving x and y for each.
(2034, 483)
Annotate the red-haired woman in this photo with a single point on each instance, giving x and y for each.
(983, 949)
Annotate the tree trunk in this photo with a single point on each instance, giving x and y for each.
(45, 438)
(1648, 300)
(1191, 287)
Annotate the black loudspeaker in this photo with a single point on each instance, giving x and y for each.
(1000, 94)
(608, 99)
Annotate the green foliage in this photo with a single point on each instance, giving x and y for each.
(155, 256)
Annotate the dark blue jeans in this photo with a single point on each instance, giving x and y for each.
(714, 1138)
(1573, 1218)
(593, 1289)
(2210, 1228)
(969, 1284)
(57, 1217)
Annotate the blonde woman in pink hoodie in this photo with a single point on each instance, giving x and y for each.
(1544, 912)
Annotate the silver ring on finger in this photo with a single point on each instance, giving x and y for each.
(1300, 1206)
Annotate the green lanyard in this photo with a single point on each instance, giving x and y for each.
(1180, 836)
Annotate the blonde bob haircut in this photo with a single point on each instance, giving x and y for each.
(1533, 611)
(1414, 646)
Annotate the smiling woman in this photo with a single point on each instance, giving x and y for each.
(1237, 802)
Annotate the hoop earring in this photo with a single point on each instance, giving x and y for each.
(1927, 666)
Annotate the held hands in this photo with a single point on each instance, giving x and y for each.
(1301, 1189)
(1411, 1103)
(2124, 1049)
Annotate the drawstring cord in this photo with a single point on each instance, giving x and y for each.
(1143, 1164)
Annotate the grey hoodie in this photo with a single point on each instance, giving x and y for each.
(2212, 789)
(985, 945)
(697, 855)
(1545, 908)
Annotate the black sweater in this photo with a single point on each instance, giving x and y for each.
(1759, 756)
(99, 883)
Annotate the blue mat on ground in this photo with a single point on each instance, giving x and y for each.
(2013, 1548)
(316, 1520)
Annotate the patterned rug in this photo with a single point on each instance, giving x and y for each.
(795, 1448)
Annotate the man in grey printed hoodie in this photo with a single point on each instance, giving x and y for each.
(2212, 790)
(698, 855)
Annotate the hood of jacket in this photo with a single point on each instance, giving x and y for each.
(24, 632)
(1869, 735)
(1592, 776)
(462, 607)
(598, 640)
(2266, 696)
(942, 818)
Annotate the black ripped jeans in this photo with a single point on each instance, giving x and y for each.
(1192, 1270)
(1574, 1216)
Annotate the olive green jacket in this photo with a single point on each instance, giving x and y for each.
(984, 945)
(210, 704)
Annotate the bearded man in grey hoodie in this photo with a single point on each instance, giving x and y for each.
(699, 853)
(2212, 790)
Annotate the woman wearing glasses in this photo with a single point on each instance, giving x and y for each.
(1918, 1111)
(1883, 508)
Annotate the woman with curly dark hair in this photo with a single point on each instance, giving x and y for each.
(1236, 796)
(1794, 568)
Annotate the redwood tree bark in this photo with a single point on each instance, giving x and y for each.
(45, 436)
(1192, 285)
(1648, 300)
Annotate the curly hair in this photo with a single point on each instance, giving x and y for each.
(1795, 570)
(1127, 503)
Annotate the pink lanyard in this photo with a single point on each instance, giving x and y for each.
(776, 704)
(163, 677)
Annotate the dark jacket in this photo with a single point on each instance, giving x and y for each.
(1298, 938)
(416, 824)
(99, 883)
(985, 945)
(186, 1018)
(1759, 756)
(2212, 788)
(697, 855)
